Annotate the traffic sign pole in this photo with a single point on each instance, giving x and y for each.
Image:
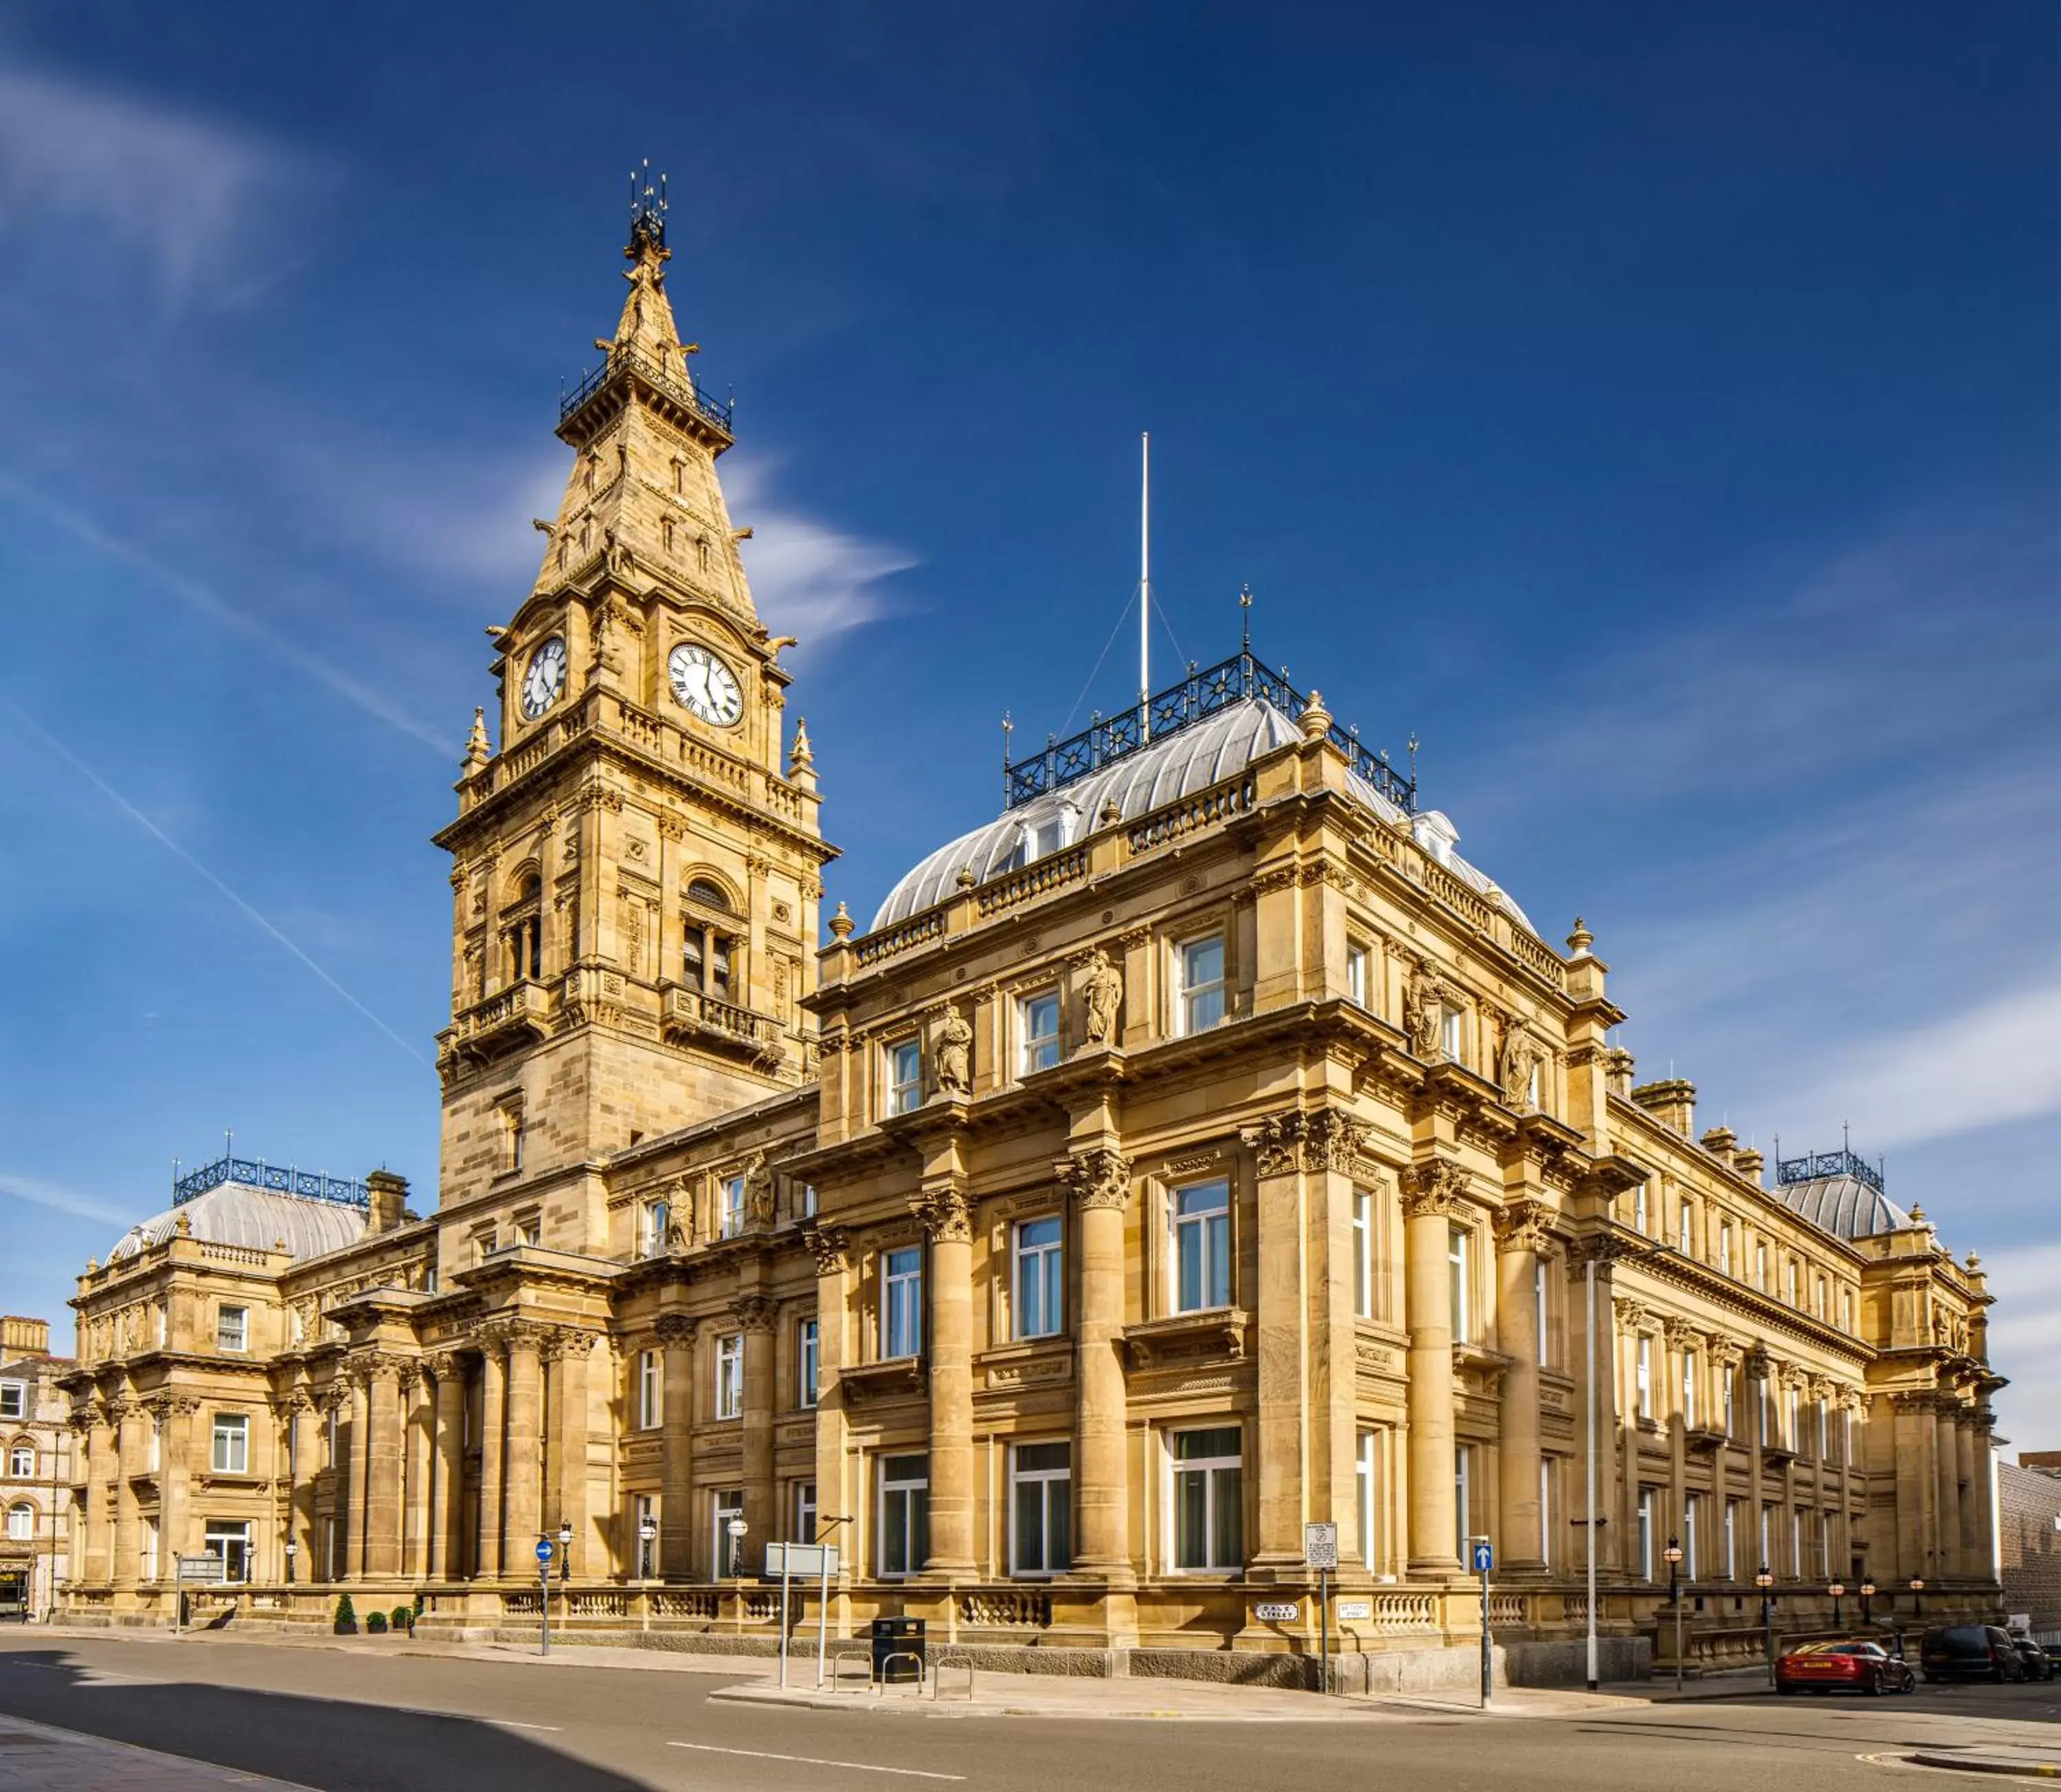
(1484, 1560)
(544, 1589)
(1320, 1551)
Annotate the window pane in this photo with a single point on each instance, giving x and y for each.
(1043, 1458)
(1059, 1526)
(1219, 1231)
(1201, 961)
(1227, 1547)
(1031, 1525)
(1190, 1519)
(1200, 1446)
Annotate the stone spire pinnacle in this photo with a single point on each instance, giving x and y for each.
(477, 749)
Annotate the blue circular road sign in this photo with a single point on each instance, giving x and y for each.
(543, 1549)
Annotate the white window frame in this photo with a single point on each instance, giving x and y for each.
(1541, 1313)
(805, 1512)
(808, 1364)
(1689, 1388)
(1212, 1469)
(904, 1075)
(1463, 1497)
(1204, 1002)
(22, 1462)
(901, 1302)
(1645, 1538)
(1362, 1250)
(1200, 1236)
(1053, 1485)
(1642, 1209)
(1037, 1276)
(1692, 1508)
(1725, 1247)
(1731, 1539)
(1796, 1542)
(20, 1522)
(730, 1206)
(232, 1334)
(1642, 1374)
(234, 1535)
(1460, 1276)
(651, 1390)
(1731, 1392)
(1449, 1035)
(1356, 962)
(1037, 1050)
(1367, 1487)
(916, 1529)
(1547, 1552)
(229, 1443)
(730, 1376)
(1685, 1226)
(654, 1217)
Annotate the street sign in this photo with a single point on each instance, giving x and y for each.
(1320, 1545)
(1483, 1558)
(202, 1570)
(1355, 1611)
(544, 1551)
(1278, 1615)
(801, 1560)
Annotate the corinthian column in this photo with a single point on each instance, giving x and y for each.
(381, 1457)
(353, 1504)
(447, 1469)
(493, 1433)
(1100, 1183)
(676, 1530)
(757, 1320)
(944, 1213)
(90, 1427)
(1520, 1233)
(129, 1419)
(568, 1421)
(1432, 1193)
(523, 1519)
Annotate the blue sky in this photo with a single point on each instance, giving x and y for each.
(1653, 409)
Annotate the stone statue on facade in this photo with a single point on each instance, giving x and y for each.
(1520, 1059)
(1423, 1005)
(758, 1193)
(1101, 993)
(954, 1054)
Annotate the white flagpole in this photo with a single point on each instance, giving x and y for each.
(1145, 589)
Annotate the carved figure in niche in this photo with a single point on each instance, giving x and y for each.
(680, 1215)
(1521, 1058)
(1101, 991)
(1423, 1005)
(758, 1193)
(954, 1054)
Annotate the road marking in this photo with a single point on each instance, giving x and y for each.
(510, 1723)
(812, 1761)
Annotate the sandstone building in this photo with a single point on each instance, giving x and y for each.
(1200, 1148)
(36, 1474)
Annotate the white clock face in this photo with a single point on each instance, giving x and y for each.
(545, 678)
(705, 684)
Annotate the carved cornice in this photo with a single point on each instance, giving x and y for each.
(1096, 1178)
(1435, 1188)
(945, 1214)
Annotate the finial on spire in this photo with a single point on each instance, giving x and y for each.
(1578, 943)
(1316, 719)
(803, 754)
(841, 923)
(1413, 744)
(647, 213)
(1244, 605)
(477, 750)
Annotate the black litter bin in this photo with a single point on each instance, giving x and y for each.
(897, 1650)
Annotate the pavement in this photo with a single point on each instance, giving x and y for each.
(2025, 1763)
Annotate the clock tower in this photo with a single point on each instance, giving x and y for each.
(635, 873)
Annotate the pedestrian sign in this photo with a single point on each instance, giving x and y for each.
(1484, 1555)
(544, 1550)
(1320, 1545)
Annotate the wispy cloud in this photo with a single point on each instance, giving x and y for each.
(808, 577)
(60, 1199)
(182, 191)
(2025, 1340)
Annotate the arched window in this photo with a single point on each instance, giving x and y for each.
(21, 1523)
(707, 892)
(22, 1462)
(524, 930)
(708, 953)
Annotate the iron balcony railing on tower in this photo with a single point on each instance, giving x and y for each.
(286, 1179)
(712, 412)
(1203, 693)
(1818, 1164)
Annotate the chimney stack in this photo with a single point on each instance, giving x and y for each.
(22, 1337)
(1672, 1102)
(390, 1199)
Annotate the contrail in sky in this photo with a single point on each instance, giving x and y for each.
(172, 847)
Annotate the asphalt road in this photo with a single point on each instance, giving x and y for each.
(351, 1722)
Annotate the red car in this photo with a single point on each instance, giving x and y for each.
(1851, 1667)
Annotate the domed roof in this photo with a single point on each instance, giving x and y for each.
(233, 1213)
(1844, 1205)
(1205, 753)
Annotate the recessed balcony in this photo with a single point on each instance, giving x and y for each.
(507, 1019)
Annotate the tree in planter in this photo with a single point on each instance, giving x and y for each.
(402, 1618)
(346, 1617)
(375, 1624)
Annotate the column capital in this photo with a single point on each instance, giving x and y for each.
(1095, 1178)
(1276, 1142)
(1436, 1187)
(1681, 1335)
(674, 1330)
(755, 1313)
(830, 1246)
(1633, 1315)
(1726, 1353)
(946, 1213)
(1524, 1225)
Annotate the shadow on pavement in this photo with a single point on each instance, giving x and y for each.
(332, 1745)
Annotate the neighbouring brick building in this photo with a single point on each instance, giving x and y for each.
(35, 1469)
(2029, 1539)
(1200, 1148)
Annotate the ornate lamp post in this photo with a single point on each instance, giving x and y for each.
(293, 1549)
(647, 1534)
(1868, 1603)
(565, 1554)
(1917, 1597)
(1838, 1589)
(1766, 1582)
(1674, 1555)
(736, 1528)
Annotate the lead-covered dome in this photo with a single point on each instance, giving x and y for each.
(234, 1213)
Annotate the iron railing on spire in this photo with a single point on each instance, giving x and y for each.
(1202, 693)
(710, 410)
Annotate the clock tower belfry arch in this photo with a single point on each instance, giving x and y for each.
(636, 872)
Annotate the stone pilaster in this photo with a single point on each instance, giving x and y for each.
(569, 1417)
(1946, 1461)
(175, 1414)
(522, 1520)
(447, 1471)
(95, 1437)
(1281, 1302)
(382, 1457)
(835, 1492)
(1520, 1236)
(676, 1526)
(1432, 1194)
(1974, 1501)
(493, 1442)
(758, 1321)
(354, 1501)
(942, 1208)
(1099, 1181)
(418, 1446)
(130, 1421)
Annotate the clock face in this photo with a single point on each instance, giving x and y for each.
(546, 679)
(705, 684)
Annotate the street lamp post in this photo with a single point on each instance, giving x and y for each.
(1838, 1589)
(1766, 1582)
(565, 1554)
(736, 1528)
(1674, 1554)
(647, 1534)
(293, 1549)
(1867, 1604)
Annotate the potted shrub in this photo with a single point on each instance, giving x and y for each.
(402, 1619)
(346, 1617)
(375, 1624)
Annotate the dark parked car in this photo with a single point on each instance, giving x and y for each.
(1970, 1651)
(2039, 1665)
(1842, 1667)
